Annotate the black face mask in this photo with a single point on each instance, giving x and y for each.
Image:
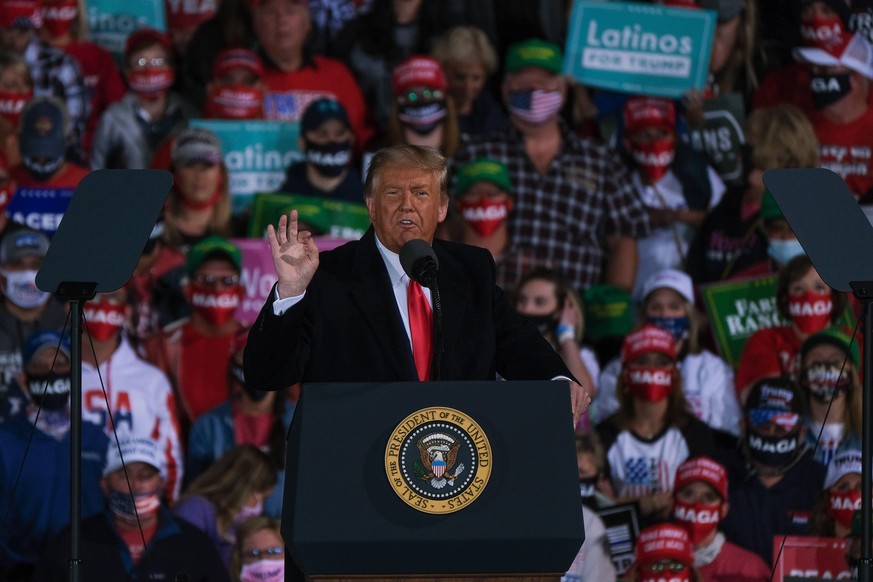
(329, 159)
(236, 372)
(41, 169)
(587, 489)
(827, 89)
(773, 451)
(50, 391)
(545, 323)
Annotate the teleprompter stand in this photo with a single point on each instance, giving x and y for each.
(95, 250)
(357, 482)
(837, 237)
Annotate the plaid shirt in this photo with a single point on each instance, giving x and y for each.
(56, 73)
(563, 218)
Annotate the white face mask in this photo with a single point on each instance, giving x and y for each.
(21, 289)
(263, 571)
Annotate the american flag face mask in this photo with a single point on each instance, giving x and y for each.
(535, 106)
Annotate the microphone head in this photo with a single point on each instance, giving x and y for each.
(419, 262)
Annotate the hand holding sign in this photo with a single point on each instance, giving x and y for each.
(295, 256)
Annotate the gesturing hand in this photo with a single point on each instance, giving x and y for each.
(295, 256)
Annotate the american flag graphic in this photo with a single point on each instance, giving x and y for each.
(644, 476)
(535, 101)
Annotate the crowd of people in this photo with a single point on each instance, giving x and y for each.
(605, 215)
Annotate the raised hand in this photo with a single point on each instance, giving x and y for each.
(295, 256)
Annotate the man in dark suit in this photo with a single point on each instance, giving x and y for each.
(343, 316)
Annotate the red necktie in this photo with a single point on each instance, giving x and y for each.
(419, 329)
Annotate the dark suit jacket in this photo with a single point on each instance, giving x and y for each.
(348, 328)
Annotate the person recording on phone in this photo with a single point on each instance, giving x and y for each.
(352, 314)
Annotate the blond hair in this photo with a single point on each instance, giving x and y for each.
(465, 45)
(406, 156)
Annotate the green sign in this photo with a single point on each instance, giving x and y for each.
(334, 218)
(110, 22)
(721, 136)
(639, 48)
(256, 154)
(737, 309)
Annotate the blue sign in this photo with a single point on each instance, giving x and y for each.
(639, 48)
(40, 208)
(110, 22)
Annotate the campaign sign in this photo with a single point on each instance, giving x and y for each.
(110, 22)
(40, 208)
(810, 558)
(737, 309)
(639, 48)
(256, 154)
(622, 529)
(334, 218)
(722, 136)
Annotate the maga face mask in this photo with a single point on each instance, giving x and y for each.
(486, 214)
(12, 104)
(810, 312)
(827, 89)
(698, 518)
(105, 319)
(151, 83)
(51, 391)
(329, 159)
(234, 102)
(842, 505)
(773, 451)
(215, 306)
(654, 158)
(650, 383)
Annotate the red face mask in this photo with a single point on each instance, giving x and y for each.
(826, 33)
(214, 305)
(810, 312)
(12, 104)
(7, 190)
(668, 575)
(842, 505)
(486, 214)
(652, 384)
(58, 16)
(151, 83)
(104, 319)
(699, 519)
(654, 158)
(234, 102)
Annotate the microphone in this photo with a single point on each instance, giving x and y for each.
(419, 262)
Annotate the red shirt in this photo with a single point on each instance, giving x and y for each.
(769, 352)
(735, 564)
(847, 150)
(288, 93)
(68, 176)
(203, 364)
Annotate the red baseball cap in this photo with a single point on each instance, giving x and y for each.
(703, 469)
(418, 71)
(20, 14)
(665, 541)
(645, 112)
(234, 58)
(645, 340)
(146, 36)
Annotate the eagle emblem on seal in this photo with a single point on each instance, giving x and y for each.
(439, 453)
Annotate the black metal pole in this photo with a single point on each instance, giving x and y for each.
(75, 436)
(865, 568)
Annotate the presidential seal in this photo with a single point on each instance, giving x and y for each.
(438, 460)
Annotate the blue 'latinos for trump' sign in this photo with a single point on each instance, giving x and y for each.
(639, 48)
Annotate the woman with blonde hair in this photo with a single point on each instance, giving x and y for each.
(258, 553)
(468, 60)
(228, 493)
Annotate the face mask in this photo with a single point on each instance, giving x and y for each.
(652, 384)
(330, 159)
(545, 323)
(56, 389)
(683, 575)
(827, 89)
(842, 505)
(21, 289)
(825, 32)
(588, 487)
(216, 307)
(6, 193)
(699, 519)
(773, 451)
(237, 373)
(263, 571)
(782, 251)
(248, 511)
(654, 158)
(485, 215)
(810, 312)
(126, 509)
(422, 119)
(42, 170)
(535, 106)
(104, 319)
(677, 326)
(58, 16)
(234, 102)
(12, 104)
(151, 83)
(823, 381)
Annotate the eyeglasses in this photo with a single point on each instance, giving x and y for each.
(143, 62)
(269, 553)
(415, 97)
(671, 566)
(213, 280)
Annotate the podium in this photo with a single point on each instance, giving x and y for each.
(437, 480)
